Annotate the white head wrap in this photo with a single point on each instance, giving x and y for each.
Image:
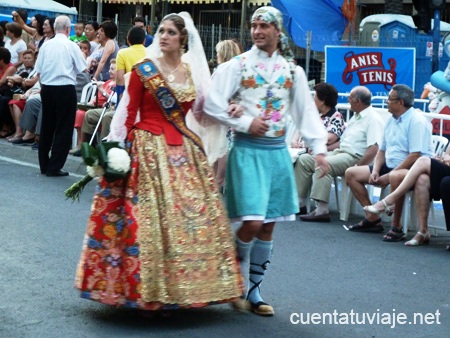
(213, 135)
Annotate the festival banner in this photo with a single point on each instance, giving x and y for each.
(377, 68)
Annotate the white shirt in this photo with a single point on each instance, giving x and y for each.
(268, 75)
(59, 61)
(19, 47)
(363, 130)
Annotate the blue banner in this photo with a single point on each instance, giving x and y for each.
(376, 68)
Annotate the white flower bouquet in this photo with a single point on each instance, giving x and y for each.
(108, 160)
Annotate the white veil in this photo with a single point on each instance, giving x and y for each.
(213, 135)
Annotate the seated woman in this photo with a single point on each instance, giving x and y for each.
(30, 121)
(7, 69)
(430, 178)
(16, 107)
(326, 98)
(15, 44)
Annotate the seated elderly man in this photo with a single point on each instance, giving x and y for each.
(91, 119)
(407, 136)
(358, 146)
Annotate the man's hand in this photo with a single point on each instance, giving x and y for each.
(373, 178)
(259, 127)
(322, 165)
(235, 110)
(383, 181)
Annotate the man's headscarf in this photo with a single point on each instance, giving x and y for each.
(272, 15)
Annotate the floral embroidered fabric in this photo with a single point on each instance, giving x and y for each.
(161, 238)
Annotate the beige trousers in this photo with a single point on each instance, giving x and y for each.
(307, 178)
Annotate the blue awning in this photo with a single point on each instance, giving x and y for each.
(324, 18)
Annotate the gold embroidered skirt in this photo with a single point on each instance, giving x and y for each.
(161, 237)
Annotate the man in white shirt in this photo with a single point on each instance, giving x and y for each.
(358, 146)
(260, 187)
(406, 137)
(58, 63)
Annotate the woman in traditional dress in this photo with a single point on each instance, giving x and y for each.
(160, 238)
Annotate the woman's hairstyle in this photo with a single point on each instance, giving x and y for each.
(110, 28)
(327, 93)
(14, 28)
(5, 55)
(23, 14)
(40, 22)
(179, 23)
(226, 49)
(51, 22)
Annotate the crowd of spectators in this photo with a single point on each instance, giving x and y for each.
(107, 63)
(20, 102)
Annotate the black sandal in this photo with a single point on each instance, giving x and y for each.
(367, 226)
(394, 235)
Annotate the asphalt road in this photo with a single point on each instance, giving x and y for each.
(316, 269)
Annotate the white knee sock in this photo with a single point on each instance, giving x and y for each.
(243, 251)
(259, 259)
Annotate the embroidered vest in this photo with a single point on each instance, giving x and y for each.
(266, 94)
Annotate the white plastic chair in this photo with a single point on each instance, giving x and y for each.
(87, 95)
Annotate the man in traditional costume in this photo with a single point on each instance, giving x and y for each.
(260, 188)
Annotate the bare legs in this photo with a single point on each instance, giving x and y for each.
(357, 178)
(421, 166)
(422, 198)
(252, 229)
(16, 113)
(395, 179)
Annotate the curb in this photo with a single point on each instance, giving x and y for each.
(24, 153)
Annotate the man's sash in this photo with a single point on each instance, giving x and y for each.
(169, 105)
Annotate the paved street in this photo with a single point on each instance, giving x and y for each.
(319, 272)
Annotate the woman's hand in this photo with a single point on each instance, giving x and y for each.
(446, 159)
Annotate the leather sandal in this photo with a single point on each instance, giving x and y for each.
(424, 239)
(388, 208)
(394, 235)
(262, 309)
(367, 226)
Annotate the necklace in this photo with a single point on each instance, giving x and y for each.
(171, 77)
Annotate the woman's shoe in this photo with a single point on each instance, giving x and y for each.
(388, 209)
(424, 239)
